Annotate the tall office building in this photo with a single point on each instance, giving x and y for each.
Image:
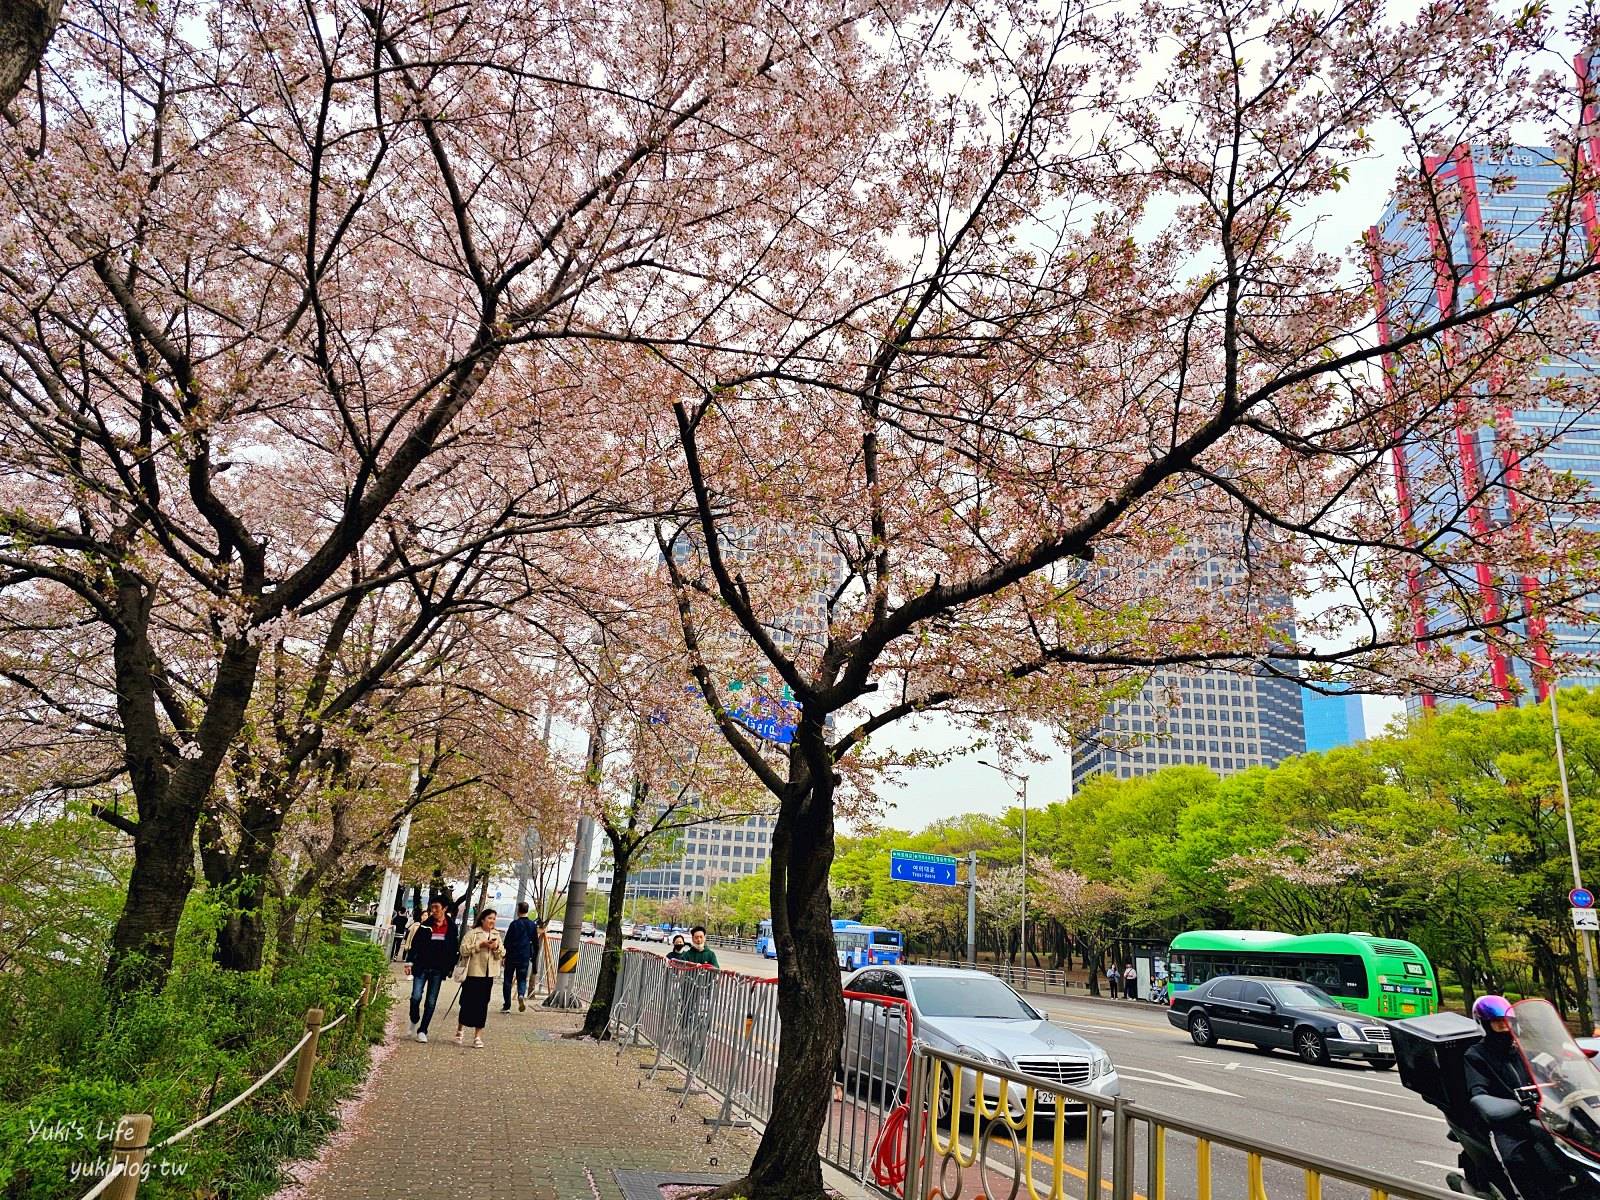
(700, 857)
(1209, 719)
(1499, 201)
(1223, 720)
(1332, 720)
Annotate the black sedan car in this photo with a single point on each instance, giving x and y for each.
(1274, 1014)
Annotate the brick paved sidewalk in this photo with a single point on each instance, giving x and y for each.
(452, 1123)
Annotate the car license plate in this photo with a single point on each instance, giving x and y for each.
(1043, 1101)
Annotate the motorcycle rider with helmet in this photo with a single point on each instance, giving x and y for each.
(1495, 1067)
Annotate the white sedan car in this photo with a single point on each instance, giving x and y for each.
(976, 1015)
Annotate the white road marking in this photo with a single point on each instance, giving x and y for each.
(1398, 1112)
(1146, 1075)
(1231, 1067)
(1422, 1162)
(1320, 1082)
(1076, 1024)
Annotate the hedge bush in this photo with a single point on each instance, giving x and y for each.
(69, 1068)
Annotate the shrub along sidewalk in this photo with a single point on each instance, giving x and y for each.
(69, 1069)
(531, 1116)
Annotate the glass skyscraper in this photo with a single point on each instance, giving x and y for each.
(1497, 203)
(1210, 719)
(1225, 720)
(1332, 720)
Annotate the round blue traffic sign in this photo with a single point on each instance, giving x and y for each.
(1581, 898)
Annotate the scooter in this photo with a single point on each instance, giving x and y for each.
(1559, 1116)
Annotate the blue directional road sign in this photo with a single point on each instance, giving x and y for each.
(1581, 898)
(915, 867)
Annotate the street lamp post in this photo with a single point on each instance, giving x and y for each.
(1572, 846)
(1021, 783)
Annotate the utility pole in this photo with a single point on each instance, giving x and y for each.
(383, 919)
(1583, 935)
(565, 993)
(972, 908)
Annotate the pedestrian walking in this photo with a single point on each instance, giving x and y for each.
(679, 947)
(1130, 982)
(1114, 981)
(698, 952)
(481, 953)
(398, 928)
(431, 955)
(521, 942)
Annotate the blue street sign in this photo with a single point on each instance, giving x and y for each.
(1581, 898)
(771, 718)
(915, 867)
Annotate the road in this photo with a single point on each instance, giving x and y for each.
(1349, 1113)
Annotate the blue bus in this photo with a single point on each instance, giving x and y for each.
(766, 944)
(866, 945)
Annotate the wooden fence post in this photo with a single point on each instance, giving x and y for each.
(308, 1058)
(129, 1146)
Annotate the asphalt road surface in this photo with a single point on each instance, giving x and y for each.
(1349, 1113)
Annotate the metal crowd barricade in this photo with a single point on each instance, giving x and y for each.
(589, 955)
(864, 1134)
(721, 1030)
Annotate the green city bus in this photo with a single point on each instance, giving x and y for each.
(1381, 977)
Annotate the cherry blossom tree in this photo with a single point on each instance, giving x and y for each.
(977, 437)
(280, 283)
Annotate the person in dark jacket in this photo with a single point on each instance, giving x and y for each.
(434, 949)
(1495, 1067)
(398, 925)
(521, 941)
(679, 947)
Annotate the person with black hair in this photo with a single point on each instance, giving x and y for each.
(430, 955)
(522, 937)
(698, 951)
(481, 952)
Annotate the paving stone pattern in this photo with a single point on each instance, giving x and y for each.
(529, 1117)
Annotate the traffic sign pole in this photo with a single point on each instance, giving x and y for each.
(972, 908)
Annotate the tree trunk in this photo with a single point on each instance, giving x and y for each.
(170, 802)
(605, 988)
(158, 888)
(25, 30)
(240, 878)
(787, 1165)
(242, 938)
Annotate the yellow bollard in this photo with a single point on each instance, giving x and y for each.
(307, 1059)
(1313, 1185)
(1202, 1169)
(129, 1146)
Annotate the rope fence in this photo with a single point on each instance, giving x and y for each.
(131, 1141)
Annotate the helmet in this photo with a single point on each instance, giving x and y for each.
(1490, 1008)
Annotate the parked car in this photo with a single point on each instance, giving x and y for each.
(976, 1015)
(1280, 1014)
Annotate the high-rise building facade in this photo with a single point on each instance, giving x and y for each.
(1227, 721)
(1331, 721)
(1425, 269)
(701, 856)
(1210, 719)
